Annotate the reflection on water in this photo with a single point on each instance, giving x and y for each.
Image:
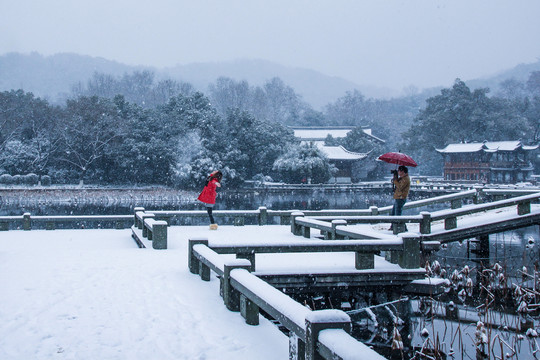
(105, 204)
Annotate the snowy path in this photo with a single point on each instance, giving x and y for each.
(91, 294)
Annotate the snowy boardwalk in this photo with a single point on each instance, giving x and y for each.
(92, 294)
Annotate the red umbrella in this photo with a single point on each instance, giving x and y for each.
(398, 158)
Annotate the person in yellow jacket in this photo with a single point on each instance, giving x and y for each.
(402, 185)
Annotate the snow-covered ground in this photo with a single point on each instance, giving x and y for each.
(92, 294)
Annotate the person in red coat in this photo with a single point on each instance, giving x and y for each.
(208, 194)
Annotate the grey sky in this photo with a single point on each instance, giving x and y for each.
(379, 42)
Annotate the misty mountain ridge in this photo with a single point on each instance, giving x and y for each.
(315, 88)
(52, 77)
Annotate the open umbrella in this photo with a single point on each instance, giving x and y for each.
(398, 158)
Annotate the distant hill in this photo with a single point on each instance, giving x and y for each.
(520, 73)
(52, 77)
(316, 88)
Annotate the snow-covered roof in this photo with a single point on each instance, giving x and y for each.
(339, 152)
(487, 146)
(319, 133)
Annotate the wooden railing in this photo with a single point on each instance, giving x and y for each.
(312, 334)
(332, 227)
(51, 222)
(145, 226)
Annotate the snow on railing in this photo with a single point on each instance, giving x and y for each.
(323, 333)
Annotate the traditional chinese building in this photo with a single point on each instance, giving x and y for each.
(350, 165)
(489, 161)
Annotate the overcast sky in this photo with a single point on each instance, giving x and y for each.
(378, 42)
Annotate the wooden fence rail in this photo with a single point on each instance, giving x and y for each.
(332, 226)
(51, 222)
(309, 335)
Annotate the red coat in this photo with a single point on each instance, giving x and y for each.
(208, 194)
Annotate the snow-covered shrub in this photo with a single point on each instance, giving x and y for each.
(6, 179)
(17, 179)
(302, 162)
(261, 178)
(46, 180)
(30, 179)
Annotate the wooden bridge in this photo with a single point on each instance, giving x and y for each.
(314, 334)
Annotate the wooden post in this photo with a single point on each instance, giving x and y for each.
(250, 257)
(411, 255)
(231, 297)
(335, 224)
(204, 271)
(27, 222)
(297, 347)
(524, 207)
(425, 223)
(398, 227)
(295, 228)
(455, 203)
(144, 228)
(249, 310)
(450, 223)
(320, 320)
(263, 215)
(306, 231)
(135, 221)
(364, 260)
(374, 210)
(159, 235)
(193, 263)
(482, 249)
(50, 225)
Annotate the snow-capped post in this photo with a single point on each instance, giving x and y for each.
(456, 203)
(319, 320)
(193, 263)
(374, 210)
(364, 260)
(524, 207)
(296, 229)
(411, 254)
(159, 235)
(144, 228)
(425, 223)
(336, 223)
(450, 223)
(263, 215)
(27, 221)
(249, 257)
(231, 297)
(135, 220)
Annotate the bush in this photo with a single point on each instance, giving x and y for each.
(6, 179)
(17, 179)
(46, 180)
(30, 179)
